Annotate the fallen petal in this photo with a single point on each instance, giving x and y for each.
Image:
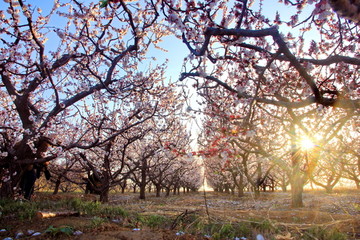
(260, 237)
(180, 233)
(19, 235)
(77, 233)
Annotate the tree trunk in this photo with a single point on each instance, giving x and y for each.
(158, 190)
(167, 192)
(296, 179)
(12, 184)
(259, 180)
(240, 190)
(329, 189)
(227, 189)
(284, 183)
(240, 186)
(257, 192)
(273, 185)
(104, 195)
(6, 190)
(142, 191)
(123, 186)
(57, 186)
(296, 191)
(357, 183)
(143, 178)
(297, 187)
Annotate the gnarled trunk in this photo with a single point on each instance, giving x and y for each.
(158, 190)
(104, 195)
(297, 191)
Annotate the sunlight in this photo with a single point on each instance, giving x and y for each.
(205, 187)
(306, 143)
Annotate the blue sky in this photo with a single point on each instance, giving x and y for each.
(176, 49)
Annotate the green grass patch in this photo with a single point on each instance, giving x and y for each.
(21, 210)
(219, 231)
(154, 221)
(95, 208)
(323, 233)
(263, 226)
(25, 210)
(97, 221)
(224, 231)
(57, 231)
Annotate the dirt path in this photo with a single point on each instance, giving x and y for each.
(340, 210)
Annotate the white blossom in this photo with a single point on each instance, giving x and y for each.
(4, 154)
(6, 179)
(240, 89)
(224, 155)
(31, 118)
(250, 133)
(324, 15)
(27, 131)
(202, 72)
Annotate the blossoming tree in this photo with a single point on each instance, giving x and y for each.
(54, 64)
(299, 63)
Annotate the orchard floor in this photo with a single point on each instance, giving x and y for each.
(339, 210)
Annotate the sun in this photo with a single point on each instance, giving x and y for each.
(306, 143)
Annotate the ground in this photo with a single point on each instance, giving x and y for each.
(339, 210)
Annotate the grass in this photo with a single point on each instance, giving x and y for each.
(92, 208)
(19, 209)
(323, 233)
(222, 231)
(57, 231)
(192, 223)
(226, 231)
(264, 225)
(154, 221)
(97, 221)
(249, 229)
(25, 210)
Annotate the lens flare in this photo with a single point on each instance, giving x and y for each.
(306, 143)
